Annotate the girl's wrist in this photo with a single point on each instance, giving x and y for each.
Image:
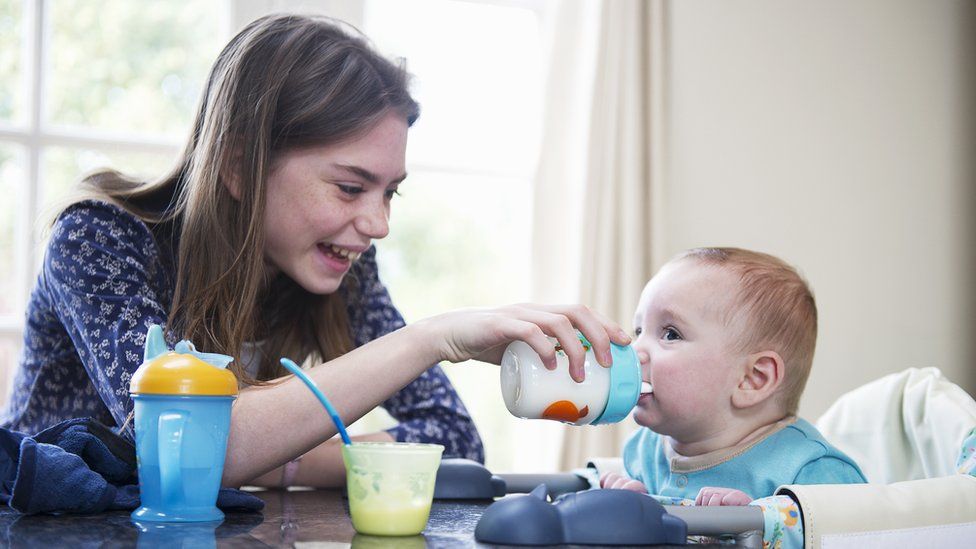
(425, 340)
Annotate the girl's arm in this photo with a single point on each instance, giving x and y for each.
(428, 410)
(104, 273)
(270, 425)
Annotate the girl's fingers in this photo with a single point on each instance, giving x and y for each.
(562, 322)
(560, 327)
(598, 329)
(595, 332)
(532, 334)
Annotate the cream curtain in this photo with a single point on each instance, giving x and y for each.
(605, 222)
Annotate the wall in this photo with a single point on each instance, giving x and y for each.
(840, 136)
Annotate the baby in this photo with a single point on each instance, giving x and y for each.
(726, 337)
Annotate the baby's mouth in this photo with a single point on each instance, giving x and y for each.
(646, 388)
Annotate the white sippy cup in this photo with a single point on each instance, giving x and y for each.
(606, 395)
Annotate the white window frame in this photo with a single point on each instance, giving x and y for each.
(34, 134)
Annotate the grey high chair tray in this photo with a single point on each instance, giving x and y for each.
(581, 516)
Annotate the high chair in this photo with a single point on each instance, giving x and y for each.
(907, 431)
(904, 426)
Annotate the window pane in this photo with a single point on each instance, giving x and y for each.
(457, 241)
(12, 85)
(141, 72)
(12, 187)
(62, 168)
(477, 74)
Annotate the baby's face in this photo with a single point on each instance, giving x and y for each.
(693, 364)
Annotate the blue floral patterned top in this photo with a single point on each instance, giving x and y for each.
(106, 277)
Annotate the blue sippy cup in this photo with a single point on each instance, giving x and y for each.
(182, 417)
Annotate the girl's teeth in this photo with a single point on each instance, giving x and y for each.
(342, 252)
(646, 387)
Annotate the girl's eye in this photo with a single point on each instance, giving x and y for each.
(350, 189)
(670, 334)
(390, 193)
(638, 331)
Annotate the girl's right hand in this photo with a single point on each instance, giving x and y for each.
(483, 334)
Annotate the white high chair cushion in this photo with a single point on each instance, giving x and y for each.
(607, 465)
(904, 426)
(935, 512)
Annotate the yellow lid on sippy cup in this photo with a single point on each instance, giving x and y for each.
(174, 373)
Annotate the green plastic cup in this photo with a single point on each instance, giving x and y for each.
(390, 486)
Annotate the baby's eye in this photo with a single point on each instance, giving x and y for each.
(391, 192)
(670, 334)
(638, 331)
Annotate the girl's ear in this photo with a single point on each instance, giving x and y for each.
(230, 176)
(764, 374)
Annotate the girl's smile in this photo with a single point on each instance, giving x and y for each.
(326, 204)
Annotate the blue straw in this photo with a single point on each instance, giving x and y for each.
(293, 368)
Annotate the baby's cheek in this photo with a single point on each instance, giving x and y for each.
(678, 397)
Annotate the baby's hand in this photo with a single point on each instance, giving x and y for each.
(613, 481)
(722, 496)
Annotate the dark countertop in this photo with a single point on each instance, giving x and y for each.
(302, 516)
(292, 518)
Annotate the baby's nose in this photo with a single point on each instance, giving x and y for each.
(643, 357)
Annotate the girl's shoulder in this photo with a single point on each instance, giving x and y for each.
(92, 211)
(91, 238)
(105, 223)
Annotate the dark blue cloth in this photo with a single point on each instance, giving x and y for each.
(107, 276)
(79, 466)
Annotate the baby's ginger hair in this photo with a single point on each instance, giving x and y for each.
(775, 306)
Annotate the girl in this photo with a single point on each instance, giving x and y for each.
(258, 245)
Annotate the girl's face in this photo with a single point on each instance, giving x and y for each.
(325, 205)
(692, 364)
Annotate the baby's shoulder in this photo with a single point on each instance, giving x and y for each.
(818, 461)
(802, 432)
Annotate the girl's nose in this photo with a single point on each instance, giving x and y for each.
(374, 221)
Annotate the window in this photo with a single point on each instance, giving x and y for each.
(73, 100)
(460, 234)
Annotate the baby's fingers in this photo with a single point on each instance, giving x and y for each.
(736, 497)
(606, 478)
(613, 481)
(721, 496)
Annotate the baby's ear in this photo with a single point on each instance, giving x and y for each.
(763, 375)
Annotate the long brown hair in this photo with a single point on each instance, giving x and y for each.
(284, 82)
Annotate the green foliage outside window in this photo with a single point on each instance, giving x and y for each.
(130, 66)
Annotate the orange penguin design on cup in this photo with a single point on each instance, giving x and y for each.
(564, 410)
